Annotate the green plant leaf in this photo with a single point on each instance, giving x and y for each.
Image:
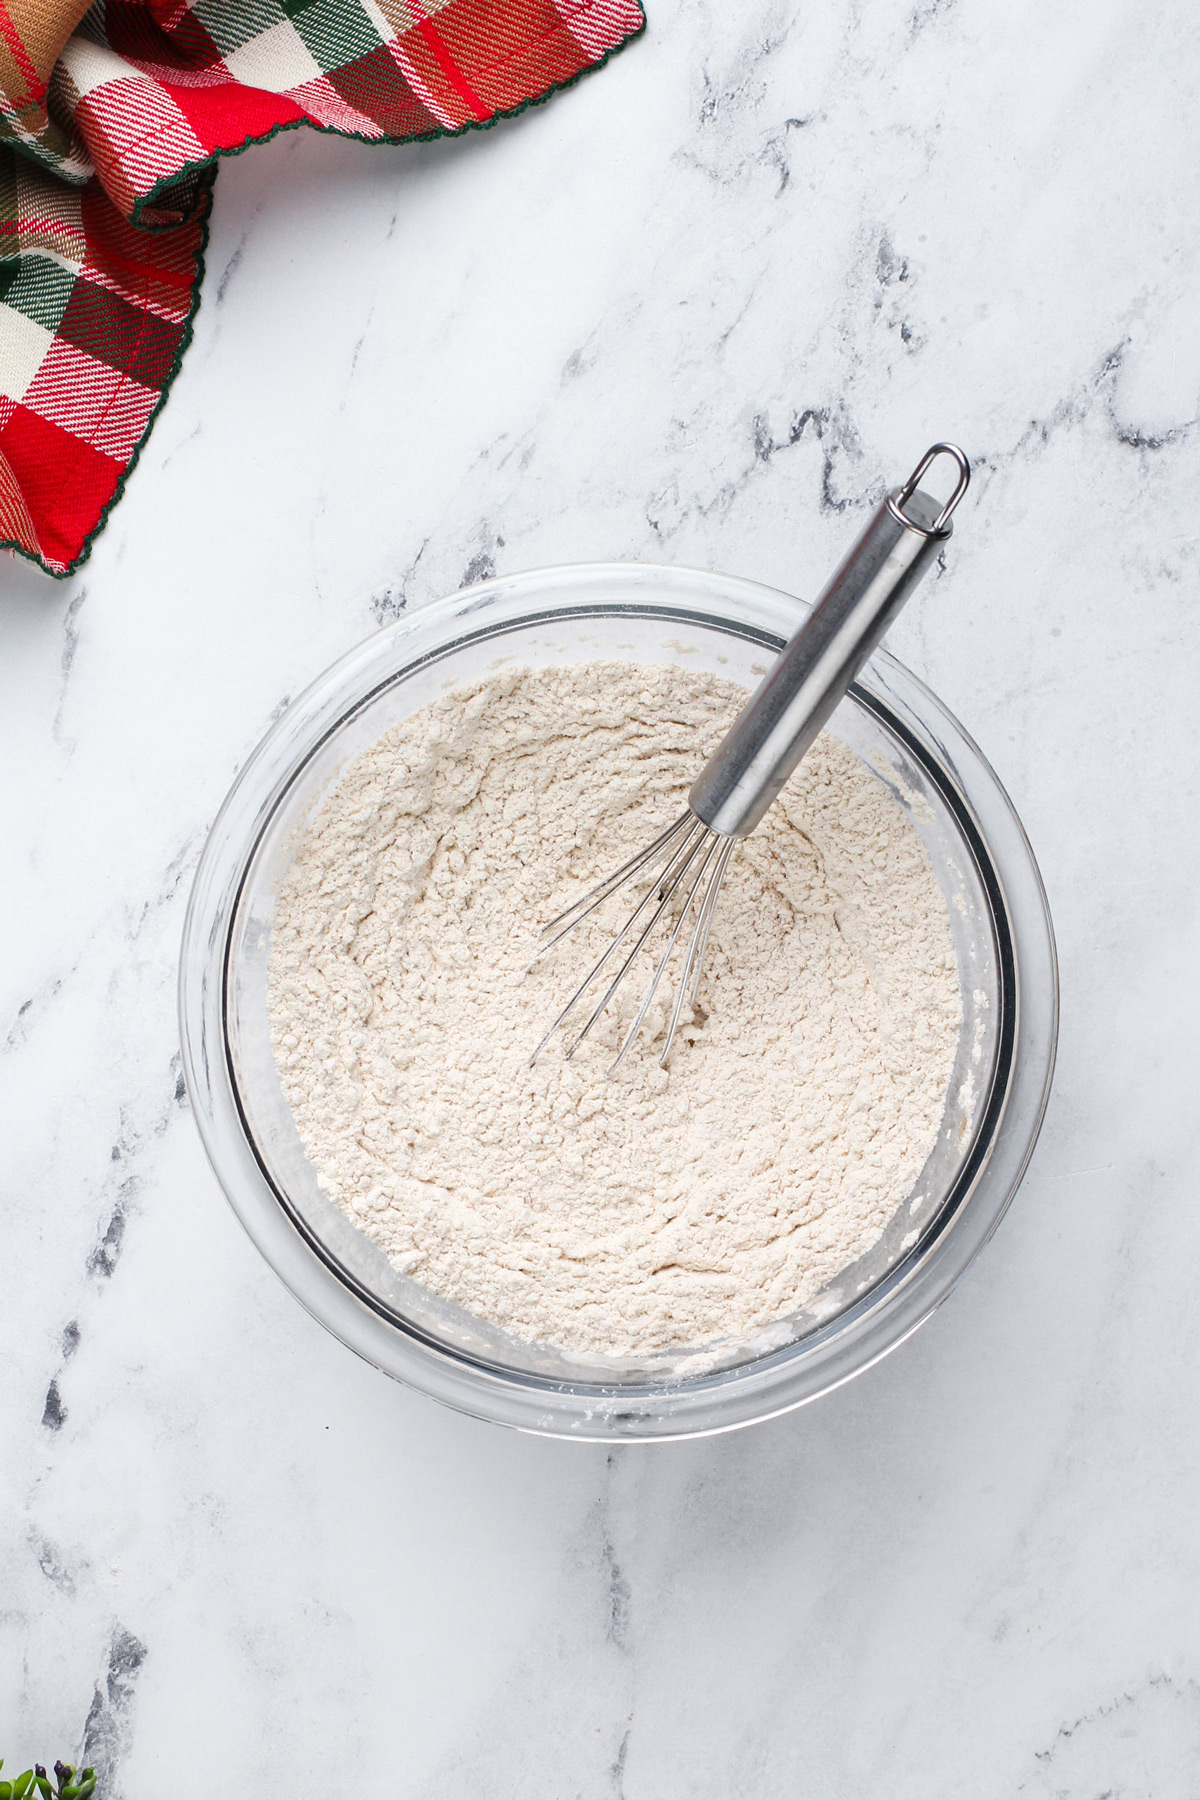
(87, 1787)
(5, 1790)
(44, 1788)
(22, 1785)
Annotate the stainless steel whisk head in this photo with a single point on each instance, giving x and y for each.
(683, 868)
(688, 860)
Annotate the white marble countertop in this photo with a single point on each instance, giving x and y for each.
(688, 312)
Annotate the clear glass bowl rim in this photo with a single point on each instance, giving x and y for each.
(688, 1407)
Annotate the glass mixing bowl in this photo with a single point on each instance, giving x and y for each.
(1003, 938)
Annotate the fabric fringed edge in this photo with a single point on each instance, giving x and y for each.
(167, 182)
(204, 173)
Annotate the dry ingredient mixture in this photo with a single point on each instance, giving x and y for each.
(665, 1207)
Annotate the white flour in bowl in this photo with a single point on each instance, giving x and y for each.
(663, 1208)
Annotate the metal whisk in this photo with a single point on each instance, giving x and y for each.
(683, 868)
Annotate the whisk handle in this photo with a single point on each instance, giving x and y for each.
(752, 762)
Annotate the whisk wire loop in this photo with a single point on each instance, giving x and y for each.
(580, 909)
(688, 986)
(687, 857)
(712, 849)
(664, 893)
(677, 840)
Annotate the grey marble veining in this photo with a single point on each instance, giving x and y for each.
(699, 310)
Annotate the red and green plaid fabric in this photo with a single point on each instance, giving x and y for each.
(111, 121)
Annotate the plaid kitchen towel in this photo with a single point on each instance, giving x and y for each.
(111, 121)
